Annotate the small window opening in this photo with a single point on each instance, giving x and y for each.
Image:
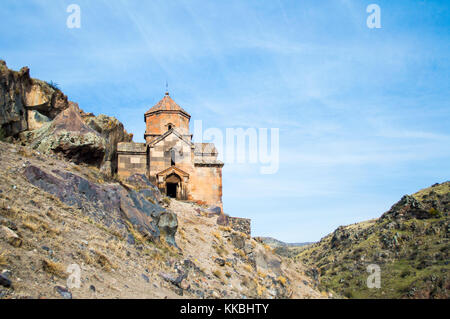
(172, 157)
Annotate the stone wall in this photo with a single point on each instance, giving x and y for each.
(206, 185)
(242, 225)
(157, 124)
(160, 157)
(132, 159)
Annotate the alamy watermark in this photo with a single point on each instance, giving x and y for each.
(233, 146)
(374, 279)
(374, 19)
(74, 279)
(74, 19)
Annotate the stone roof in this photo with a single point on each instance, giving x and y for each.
(175, 131)
(131, 147)
(204, 148)
(167, 104)
(207, 162)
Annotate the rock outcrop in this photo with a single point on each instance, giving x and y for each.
(110, 204)
(23, 98)
(113, 132)
(41, 115)
(406, 208)
(69, 135)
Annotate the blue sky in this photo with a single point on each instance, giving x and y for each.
(364, 114)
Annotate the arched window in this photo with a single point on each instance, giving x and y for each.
(172, 157)
(169, 127)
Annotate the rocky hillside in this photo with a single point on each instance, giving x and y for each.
(410, 244)
(128, 240)
(63, 213)
(37, 113)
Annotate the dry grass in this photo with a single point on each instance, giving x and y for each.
(217, 235)
(247, 267)
(54, 268)
(225, 228)
(182, 234)
(217, 273)
(244, 235)
(25, 152)
(262, 274)
(282, 280)
(260, 289)
(96, 259)
(31, 226)
(3, 259)
(240, 252)
(220, 249)
(103, 261)
(137, 235)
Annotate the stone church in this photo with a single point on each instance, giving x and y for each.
(180, 168)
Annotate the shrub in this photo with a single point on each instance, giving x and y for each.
(348, 294)
(435, 213)
(54, 268)
(53, 85)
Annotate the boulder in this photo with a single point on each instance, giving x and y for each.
(168, 225)
(5, 281)
(220, 261)
(110, 204)
(64, 292)
(140, 183)
(67, 134)
(113, 132)
(223, 220)
(267, 261)
(215, 210)
(237, 240)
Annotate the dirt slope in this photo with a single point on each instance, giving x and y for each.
(40, 237)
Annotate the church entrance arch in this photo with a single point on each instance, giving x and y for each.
(173, 186)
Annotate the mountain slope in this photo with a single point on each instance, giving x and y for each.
(410, 244)
(45, 229)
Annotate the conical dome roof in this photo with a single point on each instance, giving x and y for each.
(167, 104)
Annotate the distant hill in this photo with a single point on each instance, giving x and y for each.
(281, 248)
(410, 244)
(278, 243)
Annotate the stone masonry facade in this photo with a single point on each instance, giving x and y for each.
(180, 168)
